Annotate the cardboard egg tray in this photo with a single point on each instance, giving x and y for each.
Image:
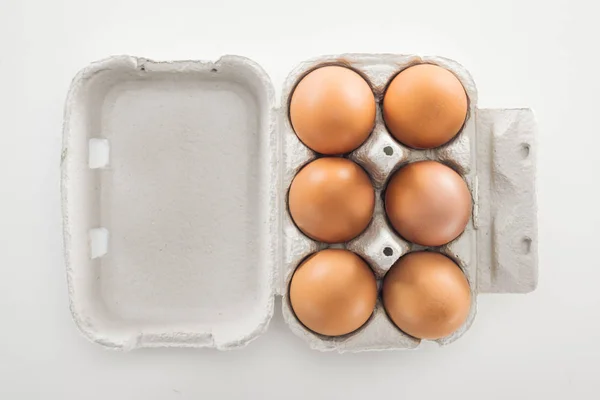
(174, 182)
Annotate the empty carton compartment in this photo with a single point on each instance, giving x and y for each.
(168, 192)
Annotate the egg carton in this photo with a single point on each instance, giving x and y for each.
(174, 190)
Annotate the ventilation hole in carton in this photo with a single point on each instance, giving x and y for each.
(99, 152)
(98, 242)
(525, 148)
(388, 252)
(526, 245)
(213, 70)
(388, 150)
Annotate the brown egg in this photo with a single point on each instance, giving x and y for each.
(331, 200)
(332, 110)
(428, 203)
(426, 295)
(425, 106)
(333, 292)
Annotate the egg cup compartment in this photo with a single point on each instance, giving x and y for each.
(174, 192)
(380, 155)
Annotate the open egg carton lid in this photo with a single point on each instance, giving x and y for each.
(173, 200)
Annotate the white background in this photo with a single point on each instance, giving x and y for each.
(541, 54)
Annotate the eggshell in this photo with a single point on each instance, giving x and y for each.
(425, 106)
(428, 203)
(332, 200)
(333, 292)
(332, 110)
(426, 295)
